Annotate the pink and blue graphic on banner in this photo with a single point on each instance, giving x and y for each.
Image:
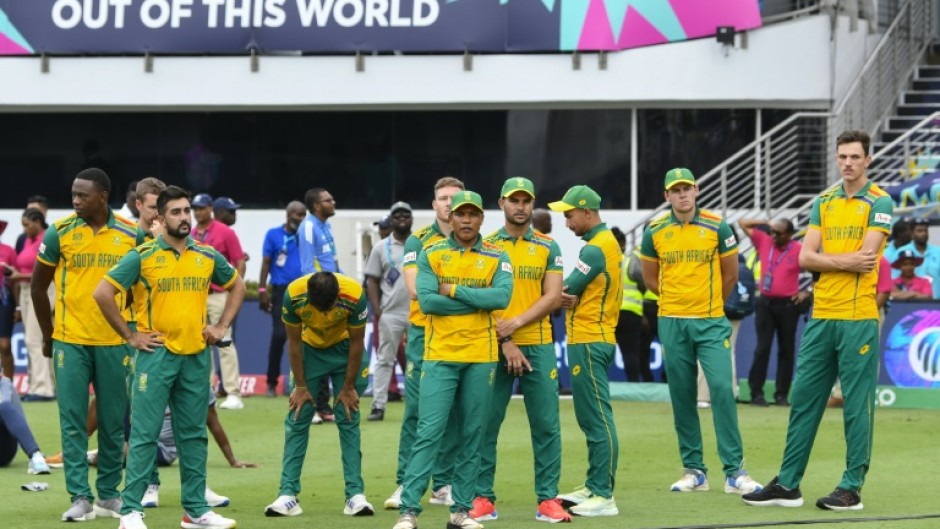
(912, 348)
(325, 26)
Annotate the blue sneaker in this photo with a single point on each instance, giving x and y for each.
(692, 480)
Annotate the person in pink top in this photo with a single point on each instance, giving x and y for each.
(777, 310)
(211, 231)
(7, 304)
(909, 286)
(41, 383)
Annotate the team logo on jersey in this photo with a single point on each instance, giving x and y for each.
(199, 260)
(727, 343)
(60, 358)
(668, 235)
(554, 374)
(117, 240)
(161, 259)
(365, 373)
(409, 369)
(576, 370)
(865, 348)
(701, 233)
(76, 237)
(338, 315)
(860, 210)
(445, 258)
(480, 264)
(142, 382)
(531, 249)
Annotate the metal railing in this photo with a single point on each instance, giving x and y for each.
(766, 176)
(773, 11)
(873, 96)
(912, 154)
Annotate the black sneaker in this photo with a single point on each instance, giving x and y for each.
(774, 494)
(841, 500)
(758, 400)
(378, 414)
(781, 401)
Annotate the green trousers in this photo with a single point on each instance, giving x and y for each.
(162, 378)
(540, 391)
(590, 390)
(319, 363)
(106, 368)
(443, 473)
(830, 348)
(446, 386)
(707, 340)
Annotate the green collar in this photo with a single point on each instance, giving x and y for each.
(672, 215)
(503, 234)
(457, 246)
(594, 231)
(166, 246)
(109, 224)
(840, 191)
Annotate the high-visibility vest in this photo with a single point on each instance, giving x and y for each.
(753, 263)
(632, 297)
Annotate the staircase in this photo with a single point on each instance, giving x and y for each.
(917, 103)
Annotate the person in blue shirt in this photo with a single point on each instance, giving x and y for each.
(901, 236)
(920, 235)
(318, 254)
(281, 259)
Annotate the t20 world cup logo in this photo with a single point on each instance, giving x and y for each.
(912, 350)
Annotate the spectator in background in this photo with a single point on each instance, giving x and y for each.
(930, 268)
(629, 325)
(41, 384)
(281, 258)
(7, 304)
(778, 306)
(318, 254)
(14, 430)
(910, 286)
(390, 301)
(218, 235)
(900, 237)
(36, 201)
(542, 220)
(225, 210)
(384, 226)
(129, 210)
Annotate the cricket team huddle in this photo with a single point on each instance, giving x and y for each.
(131, 304)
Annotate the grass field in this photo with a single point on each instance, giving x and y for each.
(903, 480)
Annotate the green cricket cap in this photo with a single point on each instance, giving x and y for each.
(679, 175)
(578, 197)
(517, 183)
(462, 198)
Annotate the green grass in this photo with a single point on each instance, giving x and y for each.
(903, 479)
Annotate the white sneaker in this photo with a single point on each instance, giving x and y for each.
(691, 480)
(80, 511)
(37, 464)
(575, 497)
(394, 501)
(742, 484)
(215, 500)
(442, 496)
(108, 508)
(209, 520)
(151, 497)
(596, 506)
(316, 418)
(232, 402)
(462, 520)
(358, 506)
(133, 520)
(406, 521)
(284, 506)
(704, 404)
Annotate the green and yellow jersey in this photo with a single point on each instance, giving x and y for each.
(175, 288)
(597, 279)
(532, 256)
(81, 258)
(325, 329)
(415, 243)
(689, 255)
(460, 327)
(842, 222)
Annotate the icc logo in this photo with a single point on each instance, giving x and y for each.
(924, 356)
(912, 350)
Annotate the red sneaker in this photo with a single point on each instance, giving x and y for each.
(551, 511)
(483, 510)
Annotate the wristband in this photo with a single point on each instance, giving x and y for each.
(300, 387)
(504, 340)
(262, 289)
(453, 290)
